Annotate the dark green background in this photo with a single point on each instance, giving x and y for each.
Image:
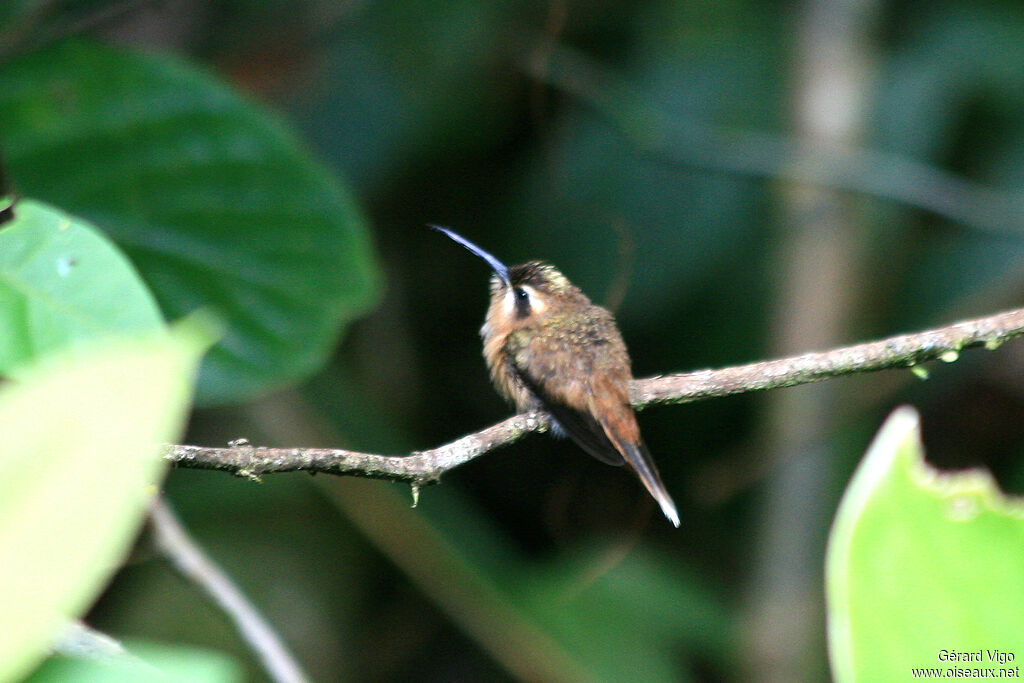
(649, 157)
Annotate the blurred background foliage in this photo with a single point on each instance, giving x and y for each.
(655, 152)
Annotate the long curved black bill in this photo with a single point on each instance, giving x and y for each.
(500, 268)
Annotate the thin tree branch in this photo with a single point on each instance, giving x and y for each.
(188, 558)
(426, 467)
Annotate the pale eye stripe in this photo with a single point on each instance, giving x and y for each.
(509, 305)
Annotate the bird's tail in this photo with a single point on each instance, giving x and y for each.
(639, 458)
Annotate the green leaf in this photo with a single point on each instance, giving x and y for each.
(62, 284)
(147, 662)
(212, 197)
(79, 460)
(921, 564)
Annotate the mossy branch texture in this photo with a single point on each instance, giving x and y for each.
(426, 467)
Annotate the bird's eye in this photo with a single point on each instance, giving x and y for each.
(522, 299)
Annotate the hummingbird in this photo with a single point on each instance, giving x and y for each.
(549, 348)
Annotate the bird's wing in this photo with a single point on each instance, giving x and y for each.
(540, 365)
(590, 404)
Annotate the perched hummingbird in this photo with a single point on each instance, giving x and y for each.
(549, 348)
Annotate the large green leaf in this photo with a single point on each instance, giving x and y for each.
(79, 459)
(215, 201)
(922, 566)
(63, 284)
